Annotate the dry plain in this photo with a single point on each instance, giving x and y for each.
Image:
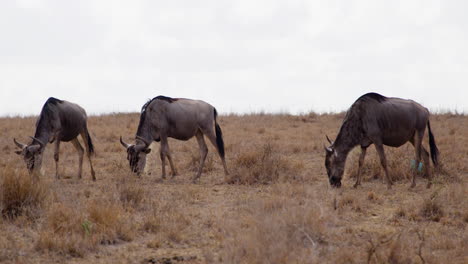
(276, 206)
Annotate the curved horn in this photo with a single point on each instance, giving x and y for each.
(329, 140)
(38, 140)
(123, 143)
(19, 145)
(144, 140)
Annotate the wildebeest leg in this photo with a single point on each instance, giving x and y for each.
(85, 137)
(383, 162)
(210, 134)
(162, 153)
(361, 162)
(417, 140)
(169, 157)
(56, 158)
(203, 153)
(80, 151)
(425, 156)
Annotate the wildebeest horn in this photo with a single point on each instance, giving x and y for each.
(19, 145)
(144, 141)
(123, 143)
(328, 149)
(40, 142)
(329, 141)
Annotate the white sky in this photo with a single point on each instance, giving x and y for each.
(241, 56)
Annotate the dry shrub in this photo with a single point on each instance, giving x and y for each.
(76, 231)
(284, 233)
(168, 221)
(194, 163)
(432, 210)
(262, 165)
(131, 194)
(21, 195)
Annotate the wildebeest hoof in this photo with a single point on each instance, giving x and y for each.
(428, 185)
(356, 185)
(413, 185)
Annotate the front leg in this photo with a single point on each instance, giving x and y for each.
(361, 163)
(162, 154)
(56, 158)
(383, 162)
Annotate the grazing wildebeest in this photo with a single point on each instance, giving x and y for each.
(379, 120)
(59, 121)
(179, 118)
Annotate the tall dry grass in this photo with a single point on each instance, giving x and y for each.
(21, 195)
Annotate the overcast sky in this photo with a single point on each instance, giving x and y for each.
(241, 56)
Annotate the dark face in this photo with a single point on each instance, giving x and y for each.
(32, 156)
(334, 166)
(137, 158)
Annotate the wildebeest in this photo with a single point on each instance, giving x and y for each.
(163, 117)
(379, 120)
(59, 121)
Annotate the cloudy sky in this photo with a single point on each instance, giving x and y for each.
(241, 56)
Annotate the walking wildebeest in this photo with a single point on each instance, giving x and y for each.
(179, 118)
(379, 120)
(59, 121)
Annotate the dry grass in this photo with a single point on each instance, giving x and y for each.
(276, 206)
(20, 194)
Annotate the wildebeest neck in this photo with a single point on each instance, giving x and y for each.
(350, 135)
(44, 125)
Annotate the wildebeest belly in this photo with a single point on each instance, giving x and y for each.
(69, 133)
(397, 138)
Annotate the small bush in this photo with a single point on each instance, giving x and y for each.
(261, 166)
(20, 194)
(431, 210)
(131, 194)
(194, 163)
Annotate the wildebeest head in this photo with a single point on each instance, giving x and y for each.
(334, 164)
(32, 154)
(136, 155)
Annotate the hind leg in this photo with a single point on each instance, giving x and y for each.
(203, 153)
(80, 151)
(85, 137)
(210, 134)
(425, 156)
(417, 140)
(56, 158)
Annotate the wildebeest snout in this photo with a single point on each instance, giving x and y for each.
(335, 182)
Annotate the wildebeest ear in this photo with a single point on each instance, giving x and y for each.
(34, 148)
(19, 152)
(328, 149)
(148, 150)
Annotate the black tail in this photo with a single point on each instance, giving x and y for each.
(219, 136)
(90, 143)
(432, 144)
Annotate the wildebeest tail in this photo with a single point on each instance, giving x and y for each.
(432, 144)
(90, 143)
(219, 136)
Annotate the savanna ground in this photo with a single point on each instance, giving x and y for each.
(276, 206)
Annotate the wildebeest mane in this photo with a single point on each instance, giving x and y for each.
(373, 96)
(47, 114)
(145, 106)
